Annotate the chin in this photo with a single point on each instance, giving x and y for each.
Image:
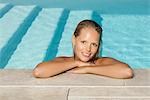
(84, 59)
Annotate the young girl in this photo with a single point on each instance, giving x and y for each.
(86, 43)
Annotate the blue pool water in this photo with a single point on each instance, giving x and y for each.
(32, 32)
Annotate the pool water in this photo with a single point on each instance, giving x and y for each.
(30, 34)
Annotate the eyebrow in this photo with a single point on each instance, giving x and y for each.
(95, 43)
(92, 42)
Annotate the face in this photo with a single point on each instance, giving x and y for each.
(86, 44)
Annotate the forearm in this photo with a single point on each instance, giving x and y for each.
(47, 69)
(115, 71)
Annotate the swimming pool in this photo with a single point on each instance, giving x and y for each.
(32, 32)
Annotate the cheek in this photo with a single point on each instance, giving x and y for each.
(79, 47)
(94, 50)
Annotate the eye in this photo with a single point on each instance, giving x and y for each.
(94, 44)
(83, 42)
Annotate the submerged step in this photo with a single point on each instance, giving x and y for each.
(4, 8)
(12, 30)
(2, 5)
(38, 38)
(9, 26)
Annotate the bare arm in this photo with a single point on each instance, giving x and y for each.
(117, 70)
(112, 68)
(53, 67)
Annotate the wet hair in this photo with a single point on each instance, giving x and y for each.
(91, 24)
(85, 24)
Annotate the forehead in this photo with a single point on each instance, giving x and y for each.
(89, 33)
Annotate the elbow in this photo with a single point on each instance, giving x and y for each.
(128, 73)
(37, 72)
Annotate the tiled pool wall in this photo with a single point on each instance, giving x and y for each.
(32, 34)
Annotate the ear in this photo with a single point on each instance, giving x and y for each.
(73, 40)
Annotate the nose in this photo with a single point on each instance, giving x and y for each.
(88, 48)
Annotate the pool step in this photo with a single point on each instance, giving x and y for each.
(69, 86)
(23, 17)
(4, 8)
(33, 93)
(38, 38)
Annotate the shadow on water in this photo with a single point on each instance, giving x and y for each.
(53, 46)
(97, 18)
(8, 50)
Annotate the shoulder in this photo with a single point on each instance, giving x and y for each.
(107, 60)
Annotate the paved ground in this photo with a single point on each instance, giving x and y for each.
(21, 85)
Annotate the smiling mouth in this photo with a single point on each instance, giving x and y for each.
(87, 55)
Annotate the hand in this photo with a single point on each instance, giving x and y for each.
(79, 70)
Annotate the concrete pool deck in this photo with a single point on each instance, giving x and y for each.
(19, 84)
